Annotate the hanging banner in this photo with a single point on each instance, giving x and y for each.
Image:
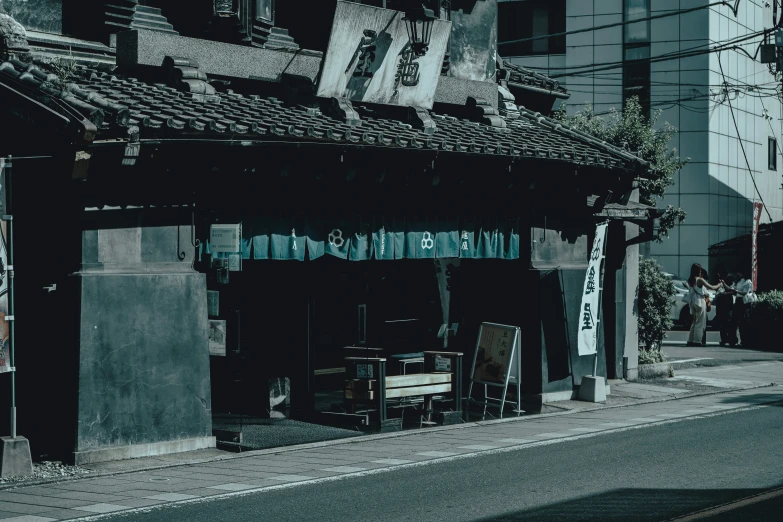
(591, 295)
(5, 362)
(757, 206)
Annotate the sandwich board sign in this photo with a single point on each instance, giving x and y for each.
(496, 361)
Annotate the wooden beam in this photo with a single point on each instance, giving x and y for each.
(416, 379)
(415, 391)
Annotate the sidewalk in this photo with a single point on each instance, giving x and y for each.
(735, 386)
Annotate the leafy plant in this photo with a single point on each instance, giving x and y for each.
(651, 356)
(655, 296)
(631, 130)
(64, 68)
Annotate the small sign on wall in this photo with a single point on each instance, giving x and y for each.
(225, 238)
(364, 371)
(442, 364)
(217, 337)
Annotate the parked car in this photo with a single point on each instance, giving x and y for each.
(680, 312)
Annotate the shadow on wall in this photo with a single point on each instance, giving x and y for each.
(725, 214)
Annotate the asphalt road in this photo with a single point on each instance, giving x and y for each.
(647, 474)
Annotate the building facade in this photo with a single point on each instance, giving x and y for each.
(721, 102)
(378, 188)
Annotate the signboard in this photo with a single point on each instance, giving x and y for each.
(225, 238)
(591, 295)
(497, 361)
(442, 364)
(757, 206)
(364, 371)
(494, 354)
(369, 58)
(217, 337)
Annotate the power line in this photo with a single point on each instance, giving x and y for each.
(665, 57)
(617, 24)
(742, 146)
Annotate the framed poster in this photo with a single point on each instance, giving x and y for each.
(217, 337)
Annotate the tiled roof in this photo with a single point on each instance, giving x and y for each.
(521, 75)
(117, 103)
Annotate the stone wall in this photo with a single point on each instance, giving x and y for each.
(144, 380)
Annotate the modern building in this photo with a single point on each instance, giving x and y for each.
(702, 68)
(377, 188)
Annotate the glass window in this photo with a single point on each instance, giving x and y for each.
(264, 9)
(772, 153)
(638, 32)
(525, 19)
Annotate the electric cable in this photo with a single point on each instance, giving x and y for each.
(742, 146)
(770, 127)
(626, 22)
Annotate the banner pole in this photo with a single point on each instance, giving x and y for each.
(10, 274)
(600, 314)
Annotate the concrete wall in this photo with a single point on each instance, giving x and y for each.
(144, 380)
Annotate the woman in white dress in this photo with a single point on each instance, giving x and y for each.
(698, 304)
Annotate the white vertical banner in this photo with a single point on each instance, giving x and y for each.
(5, 360)
(591, 294)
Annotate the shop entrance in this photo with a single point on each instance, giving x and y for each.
(293, 323)
(369, 309)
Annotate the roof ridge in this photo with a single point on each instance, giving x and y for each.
(592, 140)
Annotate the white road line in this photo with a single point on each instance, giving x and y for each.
(691, 360)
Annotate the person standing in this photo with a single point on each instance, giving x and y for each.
(724, 304)
(742, 288)
(698, 304)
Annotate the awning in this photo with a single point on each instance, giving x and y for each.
(379, 237)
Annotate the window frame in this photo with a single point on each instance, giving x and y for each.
(772, 153)
(637, 68)
(554, 45)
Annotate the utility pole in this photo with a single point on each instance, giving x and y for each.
(15, 458)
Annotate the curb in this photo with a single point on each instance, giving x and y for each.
(366, 438)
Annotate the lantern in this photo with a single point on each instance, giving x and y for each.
(419, 21)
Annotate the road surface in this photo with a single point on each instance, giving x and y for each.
(652, 473)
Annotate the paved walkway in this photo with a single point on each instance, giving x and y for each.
(239, 474)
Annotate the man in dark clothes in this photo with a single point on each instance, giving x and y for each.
(724, 303)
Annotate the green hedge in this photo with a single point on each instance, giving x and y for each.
(765, 321)
(655, 299)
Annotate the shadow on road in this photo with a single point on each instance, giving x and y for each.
(631, 505)
(761, 397)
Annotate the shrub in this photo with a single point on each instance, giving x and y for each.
(631, 129)
(651, 356)
(765, 318)
(654, 304)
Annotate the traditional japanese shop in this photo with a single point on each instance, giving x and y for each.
(234, 228)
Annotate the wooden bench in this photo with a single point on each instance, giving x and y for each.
(369, 383)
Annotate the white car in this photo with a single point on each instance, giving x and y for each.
(680, 312)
